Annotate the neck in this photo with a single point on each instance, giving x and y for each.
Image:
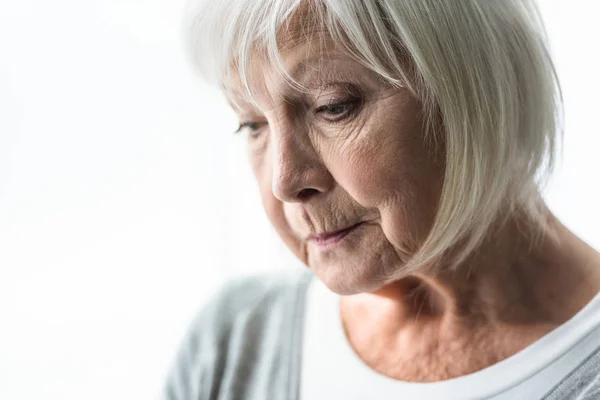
(520, 284)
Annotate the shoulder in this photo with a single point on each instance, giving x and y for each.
(583, 383)
(244, 293)
(256, 295)
(236, 321)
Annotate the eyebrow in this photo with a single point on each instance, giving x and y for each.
(302, 71)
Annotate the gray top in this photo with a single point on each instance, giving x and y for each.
(247, 343)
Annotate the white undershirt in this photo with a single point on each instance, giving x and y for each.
(332, 370)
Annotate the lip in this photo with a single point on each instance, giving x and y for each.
(331, 238)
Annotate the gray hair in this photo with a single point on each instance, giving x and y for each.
(481, 66)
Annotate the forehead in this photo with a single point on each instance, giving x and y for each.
(305, 65)
(306, 54)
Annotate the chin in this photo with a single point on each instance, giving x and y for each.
(360, 264)
(347, 279)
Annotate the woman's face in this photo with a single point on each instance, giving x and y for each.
(345, 172)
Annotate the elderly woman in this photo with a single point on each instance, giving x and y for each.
(399, 147)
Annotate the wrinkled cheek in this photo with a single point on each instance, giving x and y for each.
(395, 197)
(372, 185)
(274, 209)
(399, 227)
(276, 214)
(407, 217)
(371, 190)
(368, 170)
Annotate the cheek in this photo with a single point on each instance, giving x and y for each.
(263, 173)
(262, 170)
(391, 172)
(375, 169)
(386, 180)
(376, 155)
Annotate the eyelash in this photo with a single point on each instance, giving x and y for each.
(252, 126)
(350, 106)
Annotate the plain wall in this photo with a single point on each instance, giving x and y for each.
(125, 200)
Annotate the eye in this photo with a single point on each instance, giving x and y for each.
(252, 127)
(338, 110)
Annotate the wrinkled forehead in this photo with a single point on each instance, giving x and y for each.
(303, 66)
(304, 49)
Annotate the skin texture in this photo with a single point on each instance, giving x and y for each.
(321, 172)
(352, 149)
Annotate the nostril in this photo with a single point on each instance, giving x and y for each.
(305, 194)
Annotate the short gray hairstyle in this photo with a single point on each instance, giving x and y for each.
(482, 67)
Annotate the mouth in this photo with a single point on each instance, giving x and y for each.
(328, 239)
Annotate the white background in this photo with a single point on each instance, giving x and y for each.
(125, 200)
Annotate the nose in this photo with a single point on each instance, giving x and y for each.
(298, 171)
